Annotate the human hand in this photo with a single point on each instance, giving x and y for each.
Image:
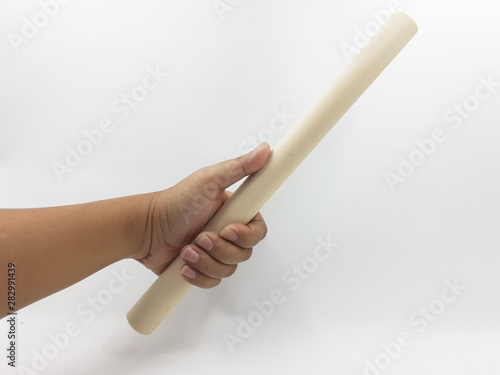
(177, 215)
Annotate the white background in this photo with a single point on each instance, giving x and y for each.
(227, 76)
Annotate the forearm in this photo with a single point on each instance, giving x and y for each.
(53, 248)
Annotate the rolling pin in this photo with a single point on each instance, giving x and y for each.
(290, 151)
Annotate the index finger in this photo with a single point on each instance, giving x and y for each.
(246, 236)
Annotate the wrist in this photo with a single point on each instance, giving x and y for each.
(139, 226)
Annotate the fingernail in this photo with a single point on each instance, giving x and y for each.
(259, 147)
(190, 255)
(188, 272)
(204, 242)
(228, 234)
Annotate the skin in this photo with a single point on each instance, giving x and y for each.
(55, 247)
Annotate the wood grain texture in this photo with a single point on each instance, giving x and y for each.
(291, 150)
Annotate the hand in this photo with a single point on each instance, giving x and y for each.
(177, 215)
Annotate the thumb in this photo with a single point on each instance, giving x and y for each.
(228, 172)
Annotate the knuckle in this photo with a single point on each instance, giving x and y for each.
(209, 186)
(203, 285)
(212, 283)
(228, 255)
(222, 252)
(236, 166)
(251, 240)
(247, 254)
(204, 282)
(264, 230)
(204, 173)
(231, 270)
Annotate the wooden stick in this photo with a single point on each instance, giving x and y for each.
(292, 149)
